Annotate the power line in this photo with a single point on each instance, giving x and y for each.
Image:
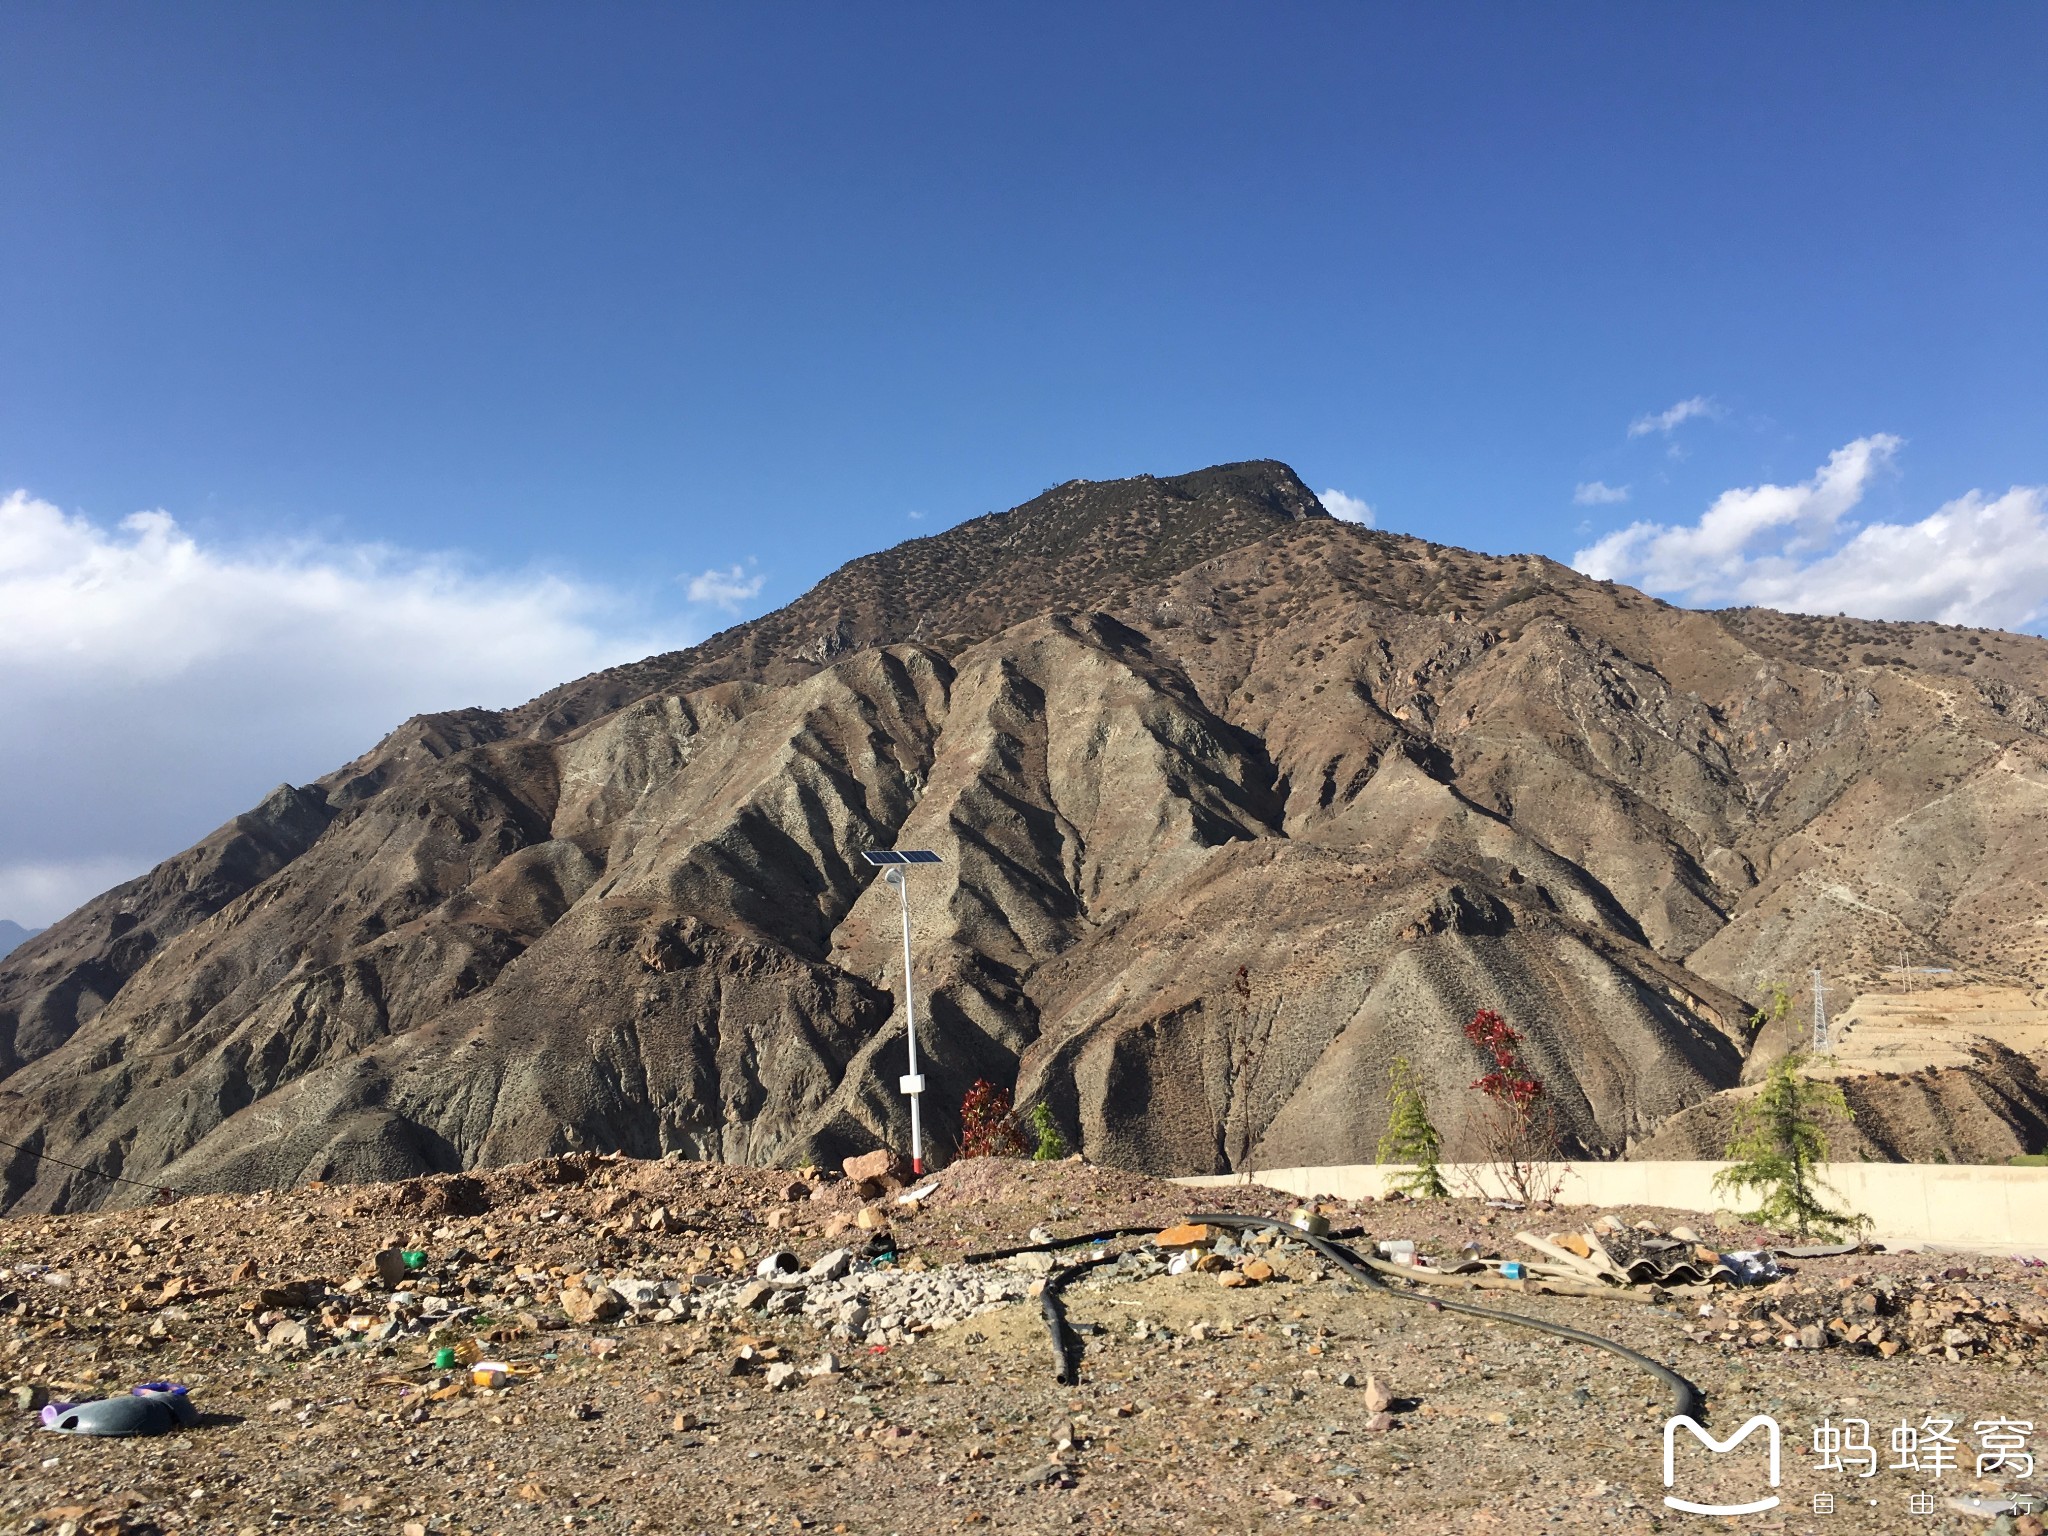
(159, 1190)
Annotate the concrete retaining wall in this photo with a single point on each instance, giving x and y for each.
(1935, 1204)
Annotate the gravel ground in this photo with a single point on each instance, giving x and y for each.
(659, 1383)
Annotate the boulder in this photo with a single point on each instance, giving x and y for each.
(877, 1165)
(592, 1304)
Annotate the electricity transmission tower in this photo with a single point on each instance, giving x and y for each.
(1820, 1015)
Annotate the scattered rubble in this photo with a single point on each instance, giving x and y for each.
(590, 1335)
(1884, 1317)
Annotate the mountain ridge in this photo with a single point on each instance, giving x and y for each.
(858, 606)
(1225, 832)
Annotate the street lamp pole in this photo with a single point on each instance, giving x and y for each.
(895, 864)
(913, 1083)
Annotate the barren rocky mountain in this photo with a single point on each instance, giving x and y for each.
(1237, 803)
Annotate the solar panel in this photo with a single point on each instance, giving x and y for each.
(920, 856)
(884, 856)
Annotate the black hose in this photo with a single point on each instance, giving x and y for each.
(1063, 1341)
(1058, 1243)
(1685, 1397)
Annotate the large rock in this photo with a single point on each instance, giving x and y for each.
(873, 1167)
(585, 1305)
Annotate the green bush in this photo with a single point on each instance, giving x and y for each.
(1052, 1146)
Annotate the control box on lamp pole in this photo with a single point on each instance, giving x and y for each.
(895, 864)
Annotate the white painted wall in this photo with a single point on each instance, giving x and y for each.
(1960, 1206)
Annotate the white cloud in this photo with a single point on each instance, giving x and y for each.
(724, 589)
(1715, 554)
(1349, 509)
(915, 517)
(154, 686)
(1596, 493)
(1667, 421)
(1976, 560)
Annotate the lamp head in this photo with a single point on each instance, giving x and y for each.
(891, 861)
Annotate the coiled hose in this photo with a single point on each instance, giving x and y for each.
(1685, 1397)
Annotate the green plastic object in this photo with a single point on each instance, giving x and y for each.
(415, 1258)
(444, 1359)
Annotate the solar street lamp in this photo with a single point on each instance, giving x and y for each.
(895, 865)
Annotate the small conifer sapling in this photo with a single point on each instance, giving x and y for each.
(1780, 1141)
(1410, 1138)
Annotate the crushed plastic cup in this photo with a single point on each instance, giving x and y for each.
(415, 1258)
(489, 1373)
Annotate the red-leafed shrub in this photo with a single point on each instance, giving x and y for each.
(1517, 1129)
(988, 1123)
(1509, 1081)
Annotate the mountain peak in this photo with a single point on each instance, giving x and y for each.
(1265, 484)
(1080, 544)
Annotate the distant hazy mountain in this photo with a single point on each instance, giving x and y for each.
(12, 933)
(1237, 804)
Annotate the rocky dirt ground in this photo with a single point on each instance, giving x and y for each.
(658, 1384)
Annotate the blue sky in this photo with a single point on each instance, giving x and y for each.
(605, 324)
